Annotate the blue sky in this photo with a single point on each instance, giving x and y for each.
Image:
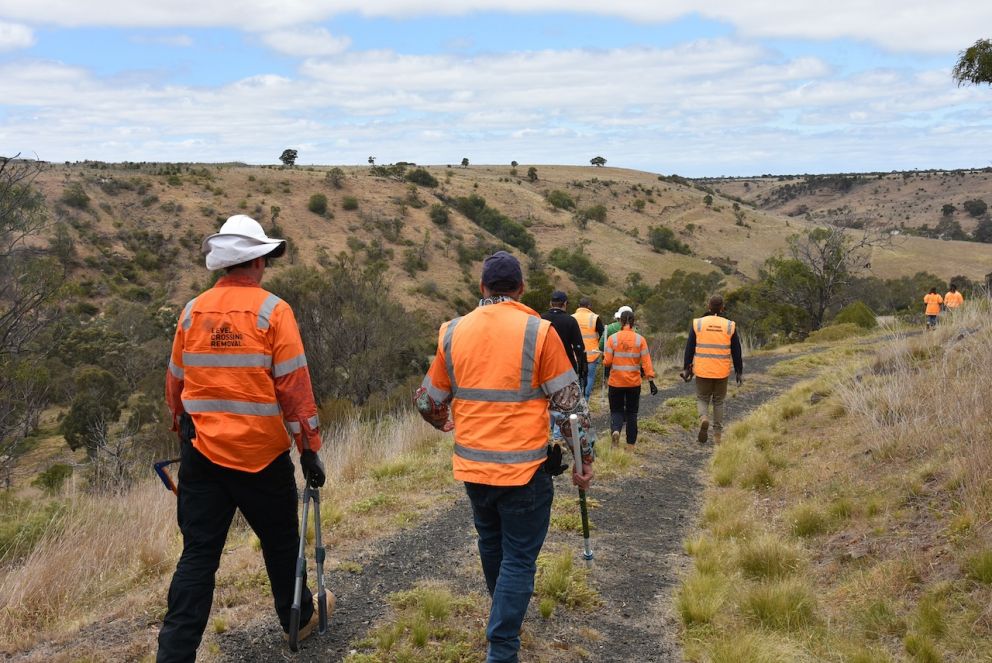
(722, 88)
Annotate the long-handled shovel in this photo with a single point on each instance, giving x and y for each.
(583, 509)
(309, 494)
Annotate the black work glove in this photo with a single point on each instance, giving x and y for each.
(686, 375)
(313, 468)
(654, 388)
(740, 380)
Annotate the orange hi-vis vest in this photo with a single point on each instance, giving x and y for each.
(712, 359)
(239, 370)
(953, 299)
(498, 365)
(587, 324)
(626, 354)
(933, 302)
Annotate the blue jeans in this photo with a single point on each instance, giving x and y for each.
(512, 522)
(591, 380)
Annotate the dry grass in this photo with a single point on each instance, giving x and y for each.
(869, 537)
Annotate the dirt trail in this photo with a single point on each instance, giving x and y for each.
(641, 522)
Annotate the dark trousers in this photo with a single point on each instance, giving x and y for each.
(208, 496)
(624, 402)
(512, 522)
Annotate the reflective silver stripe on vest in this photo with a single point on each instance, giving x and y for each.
(265, 312)
(709, 356)
(699, 324)
(187, 318)
(528, 357)
(557, 384)
(294, 427)
(437, 395)
(232, 407)
(638, 339)
(224, 360)
(446, 346)
(627, 368)
(501, 457)
(730, 324)
(176, 371)
(313, 422)
(629, 355)
(713, 346)
(288, 366)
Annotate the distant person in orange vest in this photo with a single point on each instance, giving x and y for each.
(933, 302)
(712, 348)
(496, 371)
(953, 298)
(592, 328)
(628, 357)
(237, 386)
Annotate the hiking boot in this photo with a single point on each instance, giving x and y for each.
(615, 438)
(716, 436)
(704, 427)
(308, 629)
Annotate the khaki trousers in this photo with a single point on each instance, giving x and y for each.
(711, 390)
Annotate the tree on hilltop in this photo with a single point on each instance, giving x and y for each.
(288, 157)
(974, 65)
(464, 162)
(598, 161)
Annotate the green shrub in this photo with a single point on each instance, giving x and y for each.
(560, 200)
(422, 177)
(978, 567)
(318, 204)
(335, 177)
(512, 232)
(74, 196)
(349, 203)
(23, 523)
(439, 214)
(174, 180)
(595, 213)
(857, 313)
(835, 333)
(53, 478)
(578, 264)
(663, 239)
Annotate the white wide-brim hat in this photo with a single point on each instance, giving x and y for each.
(239, 240)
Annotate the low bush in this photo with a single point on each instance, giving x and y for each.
(318, 204)
(422, 177)
(835, 333)
(560, 199)
(349, 203)
(857, 313)
(663, 239)
(578, 264)
(439, 214)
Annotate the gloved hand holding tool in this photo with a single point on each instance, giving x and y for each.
(583, 508)
(313, 479)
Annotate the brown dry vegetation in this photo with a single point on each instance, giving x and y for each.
(851, 519)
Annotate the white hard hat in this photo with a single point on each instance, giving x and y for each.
(621, 310)
(239, 240)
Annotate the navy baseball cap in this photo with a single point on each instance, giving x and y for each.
(559, 296)
(501, 272)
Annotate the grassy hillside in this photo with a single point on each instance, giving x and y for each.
(850, 519)
(891, 200)
(138, 228)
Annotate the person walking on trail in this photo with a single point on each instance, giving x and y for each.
(610, 330)
(571, 337)
(953, 298)
(592, 328)
(712, 347)
(627, 356)
(237, 384)
(933, 302)
(496, 371)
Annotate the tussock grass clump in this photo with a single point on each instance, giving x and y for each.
(807, 520)
(566, 515)
(612, 462)
(682, 412)
(700, 598)
(837, 332)
(978, 567)
(559, 579)
(768, 556)
(756, 647)
(432, 624)
(880, 619)
(757, 473)
(785, 605)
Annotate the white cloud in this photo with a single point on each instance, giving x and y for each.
(709, 107)
(907, 25)
(14, 36)
(306, 42)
